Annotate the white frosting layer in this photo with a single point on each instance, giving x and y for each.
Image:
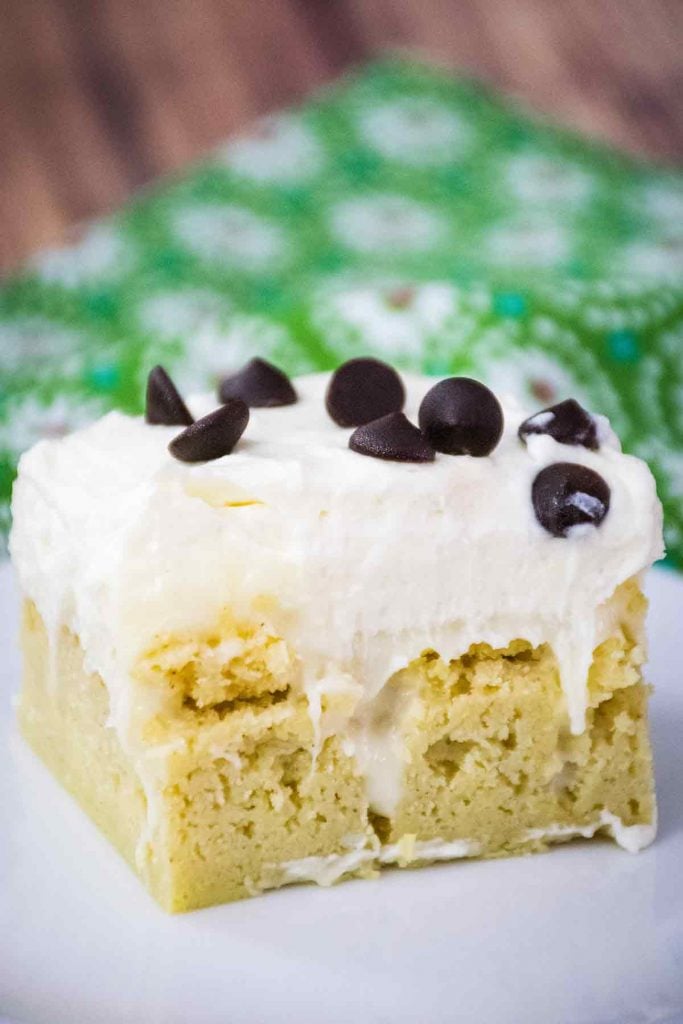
(329, 869)
(410, 850)
(326, 870)
(363, 563)
(632, 838)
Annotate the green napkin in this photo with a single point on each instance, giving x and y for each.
(402, 213)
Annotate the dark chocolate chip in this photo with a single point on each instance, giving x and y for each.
(567, 422)
(260, 384)
(362, 390)
(164, 404)
(391, 437)
(212, 436)
(460, 416)
(566, 494)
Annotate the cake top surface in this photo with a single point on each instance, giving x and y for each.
(364, 562)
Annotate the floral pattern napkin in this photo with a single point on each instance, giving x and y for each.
(402, 213)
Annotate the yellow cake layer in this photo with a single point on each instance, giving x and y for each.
(229, 788)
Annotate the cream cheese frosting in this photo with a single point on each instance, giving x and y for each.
(362, 563)
(326, 870)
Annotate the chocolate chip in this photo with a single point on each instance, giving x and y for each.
(567, 422)
(212, 436)
(260, 384)
(391, 437)
(164, 404)
(566, 494)
(362, 390)
(460, 416)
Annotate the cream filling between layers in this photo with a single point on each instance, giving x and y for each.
(358, 564)
(326, 870)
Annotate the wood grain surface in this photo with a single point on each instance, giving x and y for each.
(98, 97)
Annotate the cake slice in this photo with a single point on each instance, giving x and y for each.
(321, 626)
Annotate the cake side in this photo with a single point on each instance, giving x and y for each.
(63, 713)
(494, 758)
(222, 802)
(206, 803)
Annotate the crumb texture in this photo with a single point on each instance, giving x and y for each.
(233, 787)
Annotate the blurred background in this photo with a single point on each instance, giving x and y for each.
(99, 97)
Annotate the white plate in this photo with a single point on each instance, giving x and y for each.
(587, 934)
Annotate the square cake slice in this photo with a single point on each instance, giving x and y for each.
(312, 628)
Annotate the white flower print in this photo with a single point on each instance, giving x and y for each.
(532, 377)
(528, 242)
(678, 405)
(391, 320)
(672, 464)
(386, 223)
(101, 255)
(416, 131)
(662, 202)
(669, 462)
(41, 346)
(230, 235)
(212, 354)
(28, 420)
(539, 180)
(185, 314)
(278, 150)
(658, 258)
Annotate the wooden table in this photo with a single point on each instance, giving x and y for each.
(98, 97)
